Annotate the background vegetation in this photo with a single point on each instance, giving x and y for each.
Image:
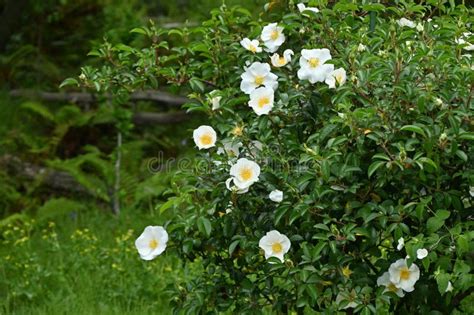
(61, 248)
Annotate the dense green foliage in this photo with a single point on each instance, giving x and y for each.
(387, 155)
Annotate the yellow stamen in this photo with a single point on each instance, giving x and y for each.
(346, 271)
(392, 287)
(259, 80)
(313, 62)
(153, 244)
(339, 78)
(206, 139)
(277, 248)
(237, 131)
(252, 48)
(404, 273)
(246, 174)
(274, 35)
(263, 101)
(281, 60)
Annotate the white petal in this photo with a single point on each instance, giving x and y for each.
(247, 86)
(401, 243)
(331, 82)
(259, 69)
(450, 287)
(384, 279)
(276, 195)
(421, 253)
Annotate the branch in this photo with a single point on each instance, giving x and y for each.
(58, 180)
(143, 118)
(84, 97)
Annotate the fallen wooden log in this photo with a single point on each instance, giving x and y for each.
(55, 179)
(84, 97)
(142, 118)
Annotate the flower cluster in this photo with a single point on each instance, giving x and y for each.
(400, 277)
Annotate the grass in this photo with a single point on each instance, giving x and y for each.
(84, 263)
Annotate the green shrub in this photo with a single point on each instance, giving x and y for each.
(383, 156)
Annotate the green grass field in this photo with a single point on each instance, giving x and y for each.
(84, 263)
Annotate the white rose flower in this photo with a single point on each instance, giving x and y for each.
(251, 45)
(261, 100)
(421, 253)
(389, 286)
(276, 195)
(275, 244)
(215, 99)
(361, 47)
(278, 61)
(402, 276)
(152, 242)
(256, 75)
(337, 76)
(235, 188)
(406, 22)
(302, 7)
(312, 65)
(244, 173)
(401, 243)
(231, 148)
(272, 37)
(204, 137)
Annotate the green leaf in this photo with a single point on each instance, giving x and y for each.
(428, 161)
(466, 136)
(280, 212)
(435, 223)
(312, 292)
(442, 279)
(374, 166)
(204, 226)
(381, 156)
(462, 245)
(232, 246)
(69, 81)
(196, 85)
(414, 129)
(123, 47)
(139, 30)
(462, 155)
(167, 205)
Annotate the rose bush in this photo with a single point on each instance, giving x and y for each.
(365, 128)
